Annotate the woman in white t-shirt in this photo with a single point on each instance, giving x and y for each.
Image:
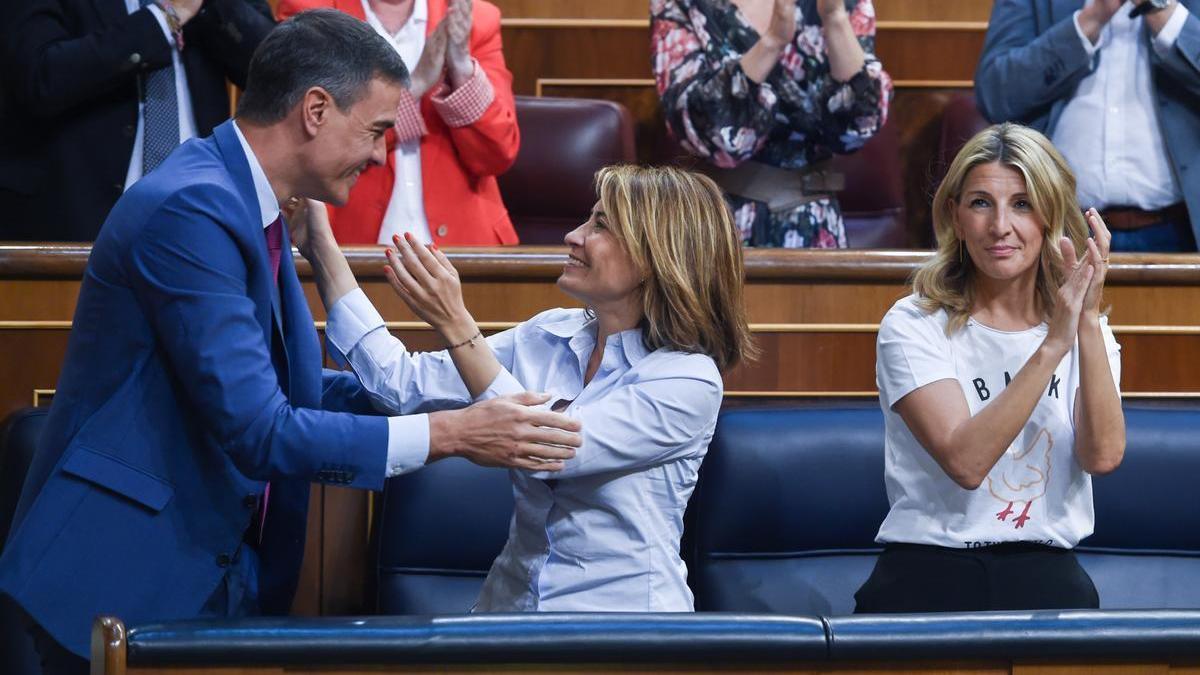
(998, 381)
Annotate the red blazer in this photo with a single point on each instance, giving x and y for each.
(458, 165)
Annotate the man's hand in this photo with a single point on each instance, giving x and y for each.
(186, 9)
(506, 432)
(1095, 15)
(459, 65)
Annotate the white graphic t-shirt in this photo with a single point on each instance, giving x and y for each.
(1036, 492)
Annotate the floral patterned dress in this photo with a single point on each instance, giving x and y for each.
(799, 116)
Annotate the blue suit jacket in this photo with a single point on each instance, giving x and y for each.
(1033, 61)
(189, 380)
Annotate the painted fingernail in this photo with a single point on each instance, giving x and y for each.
(434, 246)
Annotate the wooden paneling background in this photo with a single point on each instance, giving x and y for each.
(602, 50)
(814, 313)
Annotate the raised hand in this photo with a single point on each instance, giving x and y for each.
(308, 225)
(187, 9)
(828, 9)
(1095, 15)
(781, 29)
(1098, 250)
(459, 65)
(1064, 322)
(428, 72)
(427, 282)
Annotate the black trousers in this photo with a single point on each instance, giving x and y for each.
(918, 578)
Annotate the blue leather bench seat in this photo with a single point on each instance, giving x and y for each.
(790, 498)
(784, 517)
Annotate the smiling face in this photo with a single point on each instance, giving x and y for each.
(995, 219)
(349, 141)
(599, 271)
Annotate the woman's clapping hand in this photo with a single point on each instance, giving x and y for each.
(426, 281)
(1079, 297)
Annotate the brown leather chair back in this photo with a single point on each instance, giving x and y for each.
(564, 141)
(873, 199)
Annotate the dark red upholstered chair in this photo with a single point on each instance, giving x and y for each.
(873, 199)
(548, 190)
(960, 121)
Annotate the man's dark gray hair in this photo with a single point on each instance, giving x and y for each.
(318, 48)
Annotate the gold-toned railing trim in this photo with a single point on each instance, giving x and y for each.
(874, 394)
(799, 328)
(546, 22)
(933, 84)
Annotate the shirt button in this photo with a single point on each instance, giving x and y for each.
(223, 560)
(129, 130)
(135, 58)
(442, 230)
(250, 501)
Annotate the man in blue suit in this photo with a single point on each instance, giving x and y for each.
(1116, 86)
(192, 394)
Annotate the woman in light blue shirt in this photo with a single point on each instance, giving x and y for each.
(658, 264)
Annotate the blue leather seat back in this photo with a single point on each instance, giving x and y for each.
(787, 507)
(1146, 549)
(440, 528)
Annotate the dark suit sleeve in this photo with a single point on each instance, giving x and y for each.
(1021, 73)
(191, 277)
(1182, 62)
(341, 391)
(229, 31)
(51, 69)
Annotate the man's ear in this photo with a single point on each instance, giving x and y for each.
(315, 109)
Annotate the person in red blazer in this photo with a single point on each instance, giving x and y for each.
(462, 112)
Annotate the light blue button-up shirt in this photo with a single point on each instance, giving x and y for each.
(602, 534)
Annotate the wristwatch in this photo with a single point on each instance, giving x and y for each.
(1149, 6)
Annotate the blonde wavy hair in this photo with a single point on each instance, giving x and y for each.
(681, 236)
(946, 281)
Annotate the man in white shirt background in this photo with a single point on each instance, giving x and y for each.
(98, 92)
(1116, 86)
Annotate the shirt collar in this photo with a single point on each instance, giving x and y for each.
(581, 324)
(418, 18)
(268, 205)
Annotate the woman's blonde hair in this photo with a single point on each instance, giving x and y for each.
(946, 280)
(677, 229)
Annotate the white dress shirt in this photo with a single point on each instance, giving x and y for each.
(183, 97)
(603, 534)
(1109, 130)
(408, 437)
(406, 209)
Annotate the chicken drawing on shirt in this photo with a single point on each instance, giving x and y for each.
(1021, 476)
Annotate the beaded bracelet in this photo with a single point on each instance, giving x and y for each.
(468, 341)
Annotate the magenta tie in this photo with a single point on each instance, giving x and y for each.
(274, 251)
(274, 246)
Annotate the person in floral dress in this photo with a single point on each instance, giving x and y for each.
(772, 86)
